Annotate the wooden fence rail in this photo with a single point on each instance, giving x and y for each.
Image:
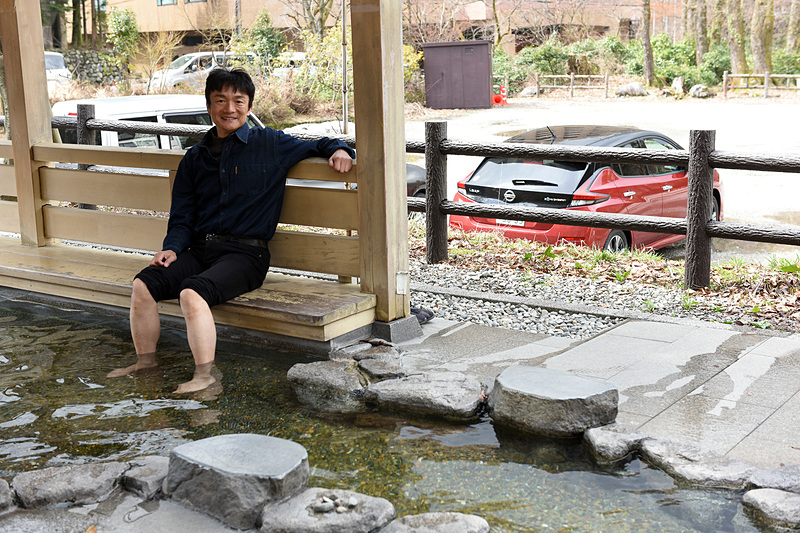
(700, 159)
(768, 81)
(571, 85)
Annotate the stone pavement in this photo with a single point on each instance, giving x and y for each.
(732, 392)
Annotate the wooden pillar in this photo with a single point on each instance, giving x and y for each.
(435, 191)
(701, 195)
(28, 107)
(380, 146)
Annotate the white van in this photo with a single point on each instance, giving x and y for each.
(192, 69)
(56, 69)
(187, 109)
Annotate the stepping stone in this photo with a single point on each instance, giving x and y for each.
(68, 485)
(328, 386)
(146, 475)
(778, 507)
(551, 402)
(6, 497)
(318, 510)
(438, 523)
(232, 477)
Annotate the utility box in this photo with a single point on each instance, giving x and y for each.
(458, 75)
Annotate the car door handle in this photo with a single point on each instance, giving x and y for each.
(667, 187)
(628, 194)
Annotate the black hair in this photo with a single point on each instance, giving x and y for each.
(236, 78)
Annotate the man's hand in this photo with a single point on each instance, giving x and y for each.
(340, 161)
(163, 258)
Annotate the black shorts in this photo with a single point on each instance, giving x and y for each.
(217, 271)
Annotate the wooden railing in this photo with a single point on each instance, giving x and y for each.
(766, 82)
(571, 82)
(141, 192)
(701, 159)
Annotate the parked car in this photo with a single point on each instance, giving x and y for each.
(56, 70)
(192, 69)
(187, 109)
(636, 189)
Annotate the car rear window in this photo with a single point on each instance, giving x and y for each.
(551, 176)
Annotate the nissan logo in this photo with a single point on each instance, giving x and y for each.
(509, 196)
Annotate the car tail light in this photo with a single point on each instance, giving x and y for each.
(580, 200)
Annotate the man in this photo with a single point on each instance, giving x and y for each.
(226, 200)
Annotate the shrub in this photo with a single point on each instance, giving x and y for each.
(784, 62)
(549, 57)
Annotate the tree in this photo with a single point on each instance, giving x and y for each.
(649, 67)
(736, 36)
(312, 15)
(762, 29)
(155, 51)
(123, 33)
(432, 21)
(261, 37)
(701, 30)
(793, 29)
(77, 34)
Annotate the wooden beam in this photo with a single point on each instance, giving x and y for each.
(108, 155)
(380, 143)
(28, 107)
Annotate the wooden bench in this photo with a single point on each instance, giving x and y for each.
(290, 306)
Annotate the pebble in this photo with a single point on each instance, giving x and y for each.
(625, 295)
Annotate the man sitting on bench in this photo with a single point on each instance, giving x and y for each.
(226, 201)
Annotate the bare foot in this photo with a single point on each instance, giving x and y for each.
(196, 384)
(145, 361)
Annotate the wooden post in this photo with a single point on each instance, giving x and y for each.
(571, 85)
(435, 191)
(380, 144)
(606, 84)
(701, 194)
(85, 136)
(766, 85)
(725, 84)
(537, 86)
(28, 107)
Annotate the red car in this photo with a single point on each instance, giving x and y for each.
(636, 189)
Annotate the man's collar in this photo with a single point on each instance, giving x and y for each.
(242, 132)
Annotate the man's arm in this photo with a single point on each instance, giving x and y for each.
(341, 161)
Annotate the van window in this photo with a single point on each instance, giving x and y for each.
(178, 142)
(180, 62)
(139, 140)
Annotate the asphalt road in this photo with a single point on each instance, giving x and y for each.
(752, 125)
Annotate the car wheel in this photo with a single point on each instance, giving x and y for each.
(616, 242)
(715, 210)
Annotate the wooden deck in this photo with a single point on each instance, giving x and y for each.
(290, 306)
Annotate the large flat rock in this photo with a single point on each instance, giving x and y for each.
(232, 477)
(450, 395)
(318, 510)
(328, 386)
(778, 507)
(68, 485)
(551, 402)
(438, 523)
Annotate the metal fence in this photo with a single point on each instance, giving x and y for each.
(700, 159)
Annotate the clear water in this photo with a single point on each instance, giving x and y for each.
(57, 407)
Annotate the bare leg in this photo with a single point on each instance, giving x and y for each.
(145, 330)
(202, 335)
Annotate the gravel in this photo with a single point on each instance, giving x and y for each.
(552, 304)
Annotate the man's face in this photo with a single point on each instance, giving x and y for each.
(228, 110)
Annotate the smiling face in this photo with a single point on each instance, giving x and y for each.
(228, 109)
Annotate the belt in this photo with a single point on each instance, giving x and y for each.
(261, 243)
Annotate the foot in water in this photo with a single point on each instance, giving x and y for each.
(201, 379)
(144, 361)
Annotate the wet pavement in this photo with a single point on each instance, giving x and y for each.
(732, 392)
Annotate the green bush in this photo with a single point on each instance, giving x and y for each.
(717, 60)
(549, 58)
(784, 62)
